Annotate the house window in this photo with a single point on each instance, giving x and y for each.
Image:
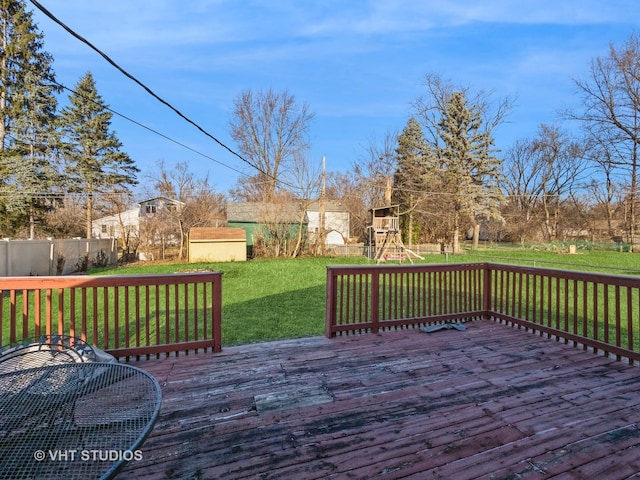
(171, 207)
(103, 228)
(150, 209)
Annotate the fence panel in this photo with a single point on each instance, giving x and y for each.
(54, 256)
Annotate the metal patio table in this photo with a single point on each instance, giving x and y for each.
(74, 420)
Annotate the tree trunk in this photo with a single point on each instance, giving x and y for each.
(634, 194)
(456, 240)
(410, 233)
(32, 221)
(476, 235)
(296, 250)
(182, 255)
(89, 213)
(3, 80)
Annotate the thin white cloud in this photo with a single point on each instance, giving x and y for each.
(392, 16)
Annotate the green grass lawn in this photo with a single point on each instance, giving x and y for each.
(268, 299)
(263, 299)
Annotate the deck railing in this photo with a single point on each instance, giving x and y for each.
(592, 310)
(124, 315)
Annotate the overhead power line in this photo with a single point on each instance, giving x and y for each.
(138, 82)
(140, 124)
(156, 132)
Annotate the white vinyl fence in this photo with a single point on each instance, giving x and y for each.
(54, 256)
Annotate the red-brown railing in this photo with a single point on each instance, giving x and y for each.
(124, 315)
(370, 298)
(593, 310)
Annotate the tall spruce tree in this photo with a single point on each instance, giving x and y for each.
(28, 105)
(94, 162)
(470, 171)
(410, 178)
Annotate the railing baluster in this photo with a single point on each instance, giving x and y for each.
(60, 311)
(595, 312)
(618, 321)
(606, 318)
(25, 313)
(575, 309)
(585, 327)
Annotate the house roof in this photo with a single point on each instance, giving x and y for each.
(330, 206)
(257, 212)
(166, 199)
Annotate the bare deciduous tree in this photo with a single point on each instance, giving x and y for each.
(67, 218)
(561, 166)
(200, 204)
(271, 131)
(346, 187)
(305, 181)
(611, 110)
(522, 186)
(115, 203)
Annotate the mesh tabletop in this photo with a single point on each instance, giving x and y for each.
(75, 420)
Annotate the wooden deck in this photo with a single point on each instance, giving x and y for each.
(489, 402)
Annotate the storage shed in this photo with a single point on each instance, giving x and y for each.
(217, 244)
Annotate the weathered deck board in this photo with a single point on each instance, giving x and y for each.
(490, 402)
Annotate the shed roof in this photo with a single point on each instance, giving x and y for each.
(217, 233)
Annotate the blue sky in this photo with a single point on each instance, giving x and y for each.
(358, 64)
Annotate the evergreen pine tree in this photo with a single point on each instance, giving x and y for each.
(28, 105)
(469, 170)
(94, 162)
(410, 178)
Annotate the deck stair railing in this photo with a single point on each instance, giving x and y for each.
(596, 311)
(130, 315)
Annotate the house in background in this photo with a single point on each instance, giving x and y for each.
(279, 222)
(112, 226)
(336, 221)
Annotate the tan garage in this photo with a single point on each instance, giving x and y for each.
(217, 244)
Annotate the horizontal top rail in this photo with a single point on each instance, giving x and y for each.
(79, 281)
(608, 278)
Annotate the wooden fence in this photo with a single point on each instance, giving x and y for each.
(124, 315)
(592, 310)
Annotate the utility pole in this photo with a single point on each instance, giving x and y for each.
(387, 191)
(323, 208)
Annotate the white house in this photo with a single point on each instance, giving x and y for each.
(112, 225)
(336, 221)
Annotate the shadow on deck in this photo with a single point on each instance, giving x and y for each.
(489, 402)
